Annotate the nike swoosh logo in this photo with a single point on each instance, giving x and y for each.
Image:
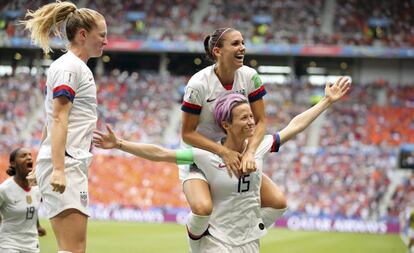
(209, 100)
(222, 165)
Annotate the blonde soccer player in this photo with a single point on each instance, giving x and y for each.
(71, 115)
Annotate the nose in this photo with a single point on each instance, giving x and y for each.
(242, 48)
(105, 42)
(251, 121)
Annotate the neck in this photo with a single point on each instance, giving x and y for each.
(235, 144)
(79, 52)
(21, 182)
(225, 75)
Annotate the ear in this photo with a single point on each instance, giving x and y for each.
(225, 125)
(83, 33)
(216, 51)
(13, 164)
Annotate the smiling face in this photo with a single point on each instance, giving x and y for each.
(231, 54)
(242, 123)
(23, 162)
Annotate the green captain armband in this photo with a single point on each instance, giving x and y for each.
(184, 156)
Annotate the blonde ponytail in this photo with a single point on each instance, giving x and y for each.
(48, 18)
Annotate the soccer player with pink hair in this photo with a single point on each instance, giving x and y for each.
(238, 220)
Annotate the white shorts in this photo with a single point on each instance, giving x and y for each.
(187, 172)
(5, 250)
(209, 244)
(76, 192)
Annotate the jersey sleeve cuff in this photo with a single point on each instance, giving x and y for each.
(64, 90)
(276, 143)
(191, 108)
(257, 94)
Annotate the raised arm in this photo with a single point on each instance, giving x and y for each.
(299, 123)
(147, 151)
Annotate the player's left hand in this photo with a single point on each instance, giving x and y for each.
(248, 163)
(334, 92)
(41, 231)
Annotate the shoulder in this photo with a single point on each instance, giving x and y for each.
(201, 152)
(201, 155)
(200, 79)
(247, 71)
(266, 145)
(67, 62)
(5, 186)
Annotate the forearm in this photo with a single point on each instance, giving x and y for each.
(58, 141)
(200, 141)
(303, 120)
(257, 138)
(147, 151)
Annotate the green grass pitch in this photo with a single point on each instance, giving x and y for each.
(130, 237)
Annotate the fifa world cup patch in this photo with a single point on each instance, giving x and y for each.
(84, 198)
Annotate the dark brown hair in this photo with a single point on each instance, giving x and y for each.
(11, 171)
(215, 40)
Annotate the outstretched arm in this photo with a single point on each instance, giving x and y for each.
(147, 151)
(299, 123)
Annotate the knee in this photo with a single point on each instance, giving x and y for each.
(202, 208)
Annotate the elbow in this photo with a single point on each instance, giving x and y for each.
(186, 135)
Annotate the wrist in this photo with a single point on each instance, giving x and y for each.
(119, 144)
(327, 100)
(250, 152)
(221, 151)
(58, 168)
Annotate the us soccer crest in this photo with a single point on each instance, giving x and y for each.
(84, 198)
(29, 199)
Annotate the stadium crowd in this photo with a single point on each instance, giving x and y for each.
(372, 23)
(345, 174)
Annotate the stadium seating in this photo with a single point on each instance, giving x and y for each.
(345, 175)
(387, 24)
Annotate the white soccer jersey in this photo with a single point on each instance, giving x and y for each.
(236, 218)
(18, 209)
(204, 88)
(69, 76)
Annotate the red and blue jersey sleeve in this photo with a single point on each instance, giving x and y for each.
(65, 83)
(64, 90)
(192, 102)
(276, 143)
(257, 87)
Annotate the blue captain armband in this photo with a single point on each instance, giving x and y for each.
(184, 156)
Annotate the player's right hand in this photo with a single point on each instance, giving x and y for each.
(232, 160)
(105, 140)
(58, 181)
